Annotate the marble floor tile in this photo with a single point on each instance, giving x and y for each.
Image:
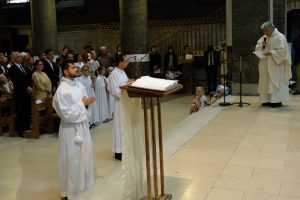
(258, 162)
(218, 194)
(250, 185)
(190, 196)
(290, 189)
(220, 153)
(238, 171)
(285, 175)
(280, 155)
(292, 165)
(192, 168)
(257, 196)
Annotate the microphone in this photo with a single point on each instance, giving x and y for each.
(265, 40)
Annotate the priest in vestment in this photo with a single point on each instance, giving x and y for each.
(75, 157)
(274, 68)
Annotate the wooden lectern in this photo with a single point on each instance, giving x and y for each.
(147, 96)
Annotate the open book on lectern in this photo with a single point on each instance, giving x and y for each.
(151, 83)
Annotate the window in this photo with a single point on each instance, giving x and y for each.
(16, 1)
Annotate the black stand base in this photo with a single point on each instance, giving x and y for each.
(225, 104)
(241, 104)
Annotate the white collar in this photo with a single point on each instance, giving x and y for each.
(49, 61)
(68, 81)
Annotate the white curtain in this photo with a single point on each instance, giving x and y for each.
(133, 148)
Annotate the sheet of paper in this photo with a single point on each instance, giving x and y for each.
(188, 56)
(259, 54)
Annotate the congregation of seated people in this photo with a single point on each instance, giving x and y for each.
(26, 77)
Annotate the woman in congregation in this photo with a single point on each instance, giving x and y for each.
(78, 60)
(187, 61)
(119, 50)
(41, 82)
(28, 62)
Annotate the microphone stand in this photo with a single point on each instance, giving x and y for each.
(241, 103)
(224, 103)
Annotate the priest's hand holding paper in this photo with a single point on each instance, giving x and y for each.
(264, 44)
(88, 100)
(260, 54)
(267, 53)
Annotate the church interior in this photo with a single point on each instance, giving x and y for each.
(236, 152)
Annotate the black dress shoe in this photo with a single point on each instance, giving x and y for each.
(296, 92)
(276, 105)
(118, 156)
(266, 104)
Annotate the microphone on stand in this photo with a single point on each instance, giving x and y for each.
(265, 40)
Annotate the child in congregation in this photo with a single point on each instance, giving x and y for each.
(86, 80)
(220, 91)
(111, 98)
(101, 95)
(200, 101)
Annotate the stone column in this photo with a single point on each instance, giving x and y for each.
(279, 15)
(44, 29)
(247, 17)
(229, 22)
(134, 34)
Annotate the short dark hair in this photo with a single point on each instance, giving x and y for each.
(153, 46)
(36, 62)
(170, 47)
(119, 58)
(75, 56)
(66, 47)
(65, 65)
(48, 51)
(85, 56)
(100, 69)
(39, 54)
(58, 59)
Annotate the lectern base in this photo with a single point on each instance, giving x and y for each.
(165, 197)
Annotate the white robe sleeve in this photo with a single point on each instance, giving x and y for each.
(68, 110)
(278, 53)
(113, 85)
(281, 55)
(258, 46)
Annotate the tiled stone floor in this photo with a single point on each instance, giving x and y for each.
(231, 153)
